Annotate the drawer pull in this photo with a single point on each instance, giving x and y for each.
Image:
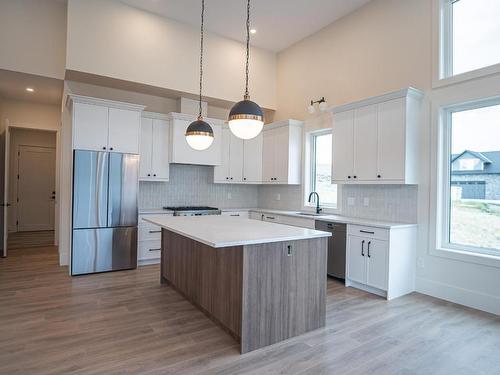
(270, 217)
(235, 215)
(154, 249)
(155, 231)
(366, 231)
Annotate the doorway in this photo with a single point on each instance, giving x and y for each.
(31, 175)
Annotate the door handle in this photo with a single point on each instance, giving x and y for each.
(155, 231)
(369, 242)
(154, 249)
(366, 231)
(363, 248)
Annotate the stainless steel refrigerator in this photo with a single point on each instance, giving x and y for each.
(105, 189)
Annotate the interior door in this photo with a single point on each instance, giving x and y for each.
(365, 143)
(36, 188)
(160, 164)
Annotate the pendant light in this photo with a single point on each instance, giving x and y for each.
(199, 134)
(246, 119)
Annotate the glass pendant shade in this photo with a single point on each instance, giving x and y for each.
(199, 135)
(246, 119)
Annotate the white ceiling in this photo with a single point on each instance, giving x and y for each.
(279, 23)
(13, 86)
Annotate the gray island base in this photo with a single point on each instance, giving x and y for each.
(260, 293)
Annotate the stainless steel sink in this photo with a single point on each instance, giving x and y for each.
(309, 214)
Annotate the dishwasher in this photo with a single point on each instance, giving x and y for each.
(336, 247)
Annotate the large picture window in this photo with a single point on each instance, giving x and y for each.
(321, 168)
(473, 179)
(470, 35)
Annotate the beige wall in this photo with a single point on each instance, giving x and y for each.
(384, 46)
(29, 115)
(111, 39)
(33, 36)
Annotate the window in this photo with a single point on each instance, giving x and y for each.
(321, 168)
(473, 181)
(470, 35)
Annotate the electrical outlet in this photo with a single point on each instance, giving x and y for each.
(351, 201)
(421, 262)
(229, 196)
(366, 201)
(278, 197)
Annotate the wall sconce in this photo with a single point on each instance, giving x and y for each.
(321, 104)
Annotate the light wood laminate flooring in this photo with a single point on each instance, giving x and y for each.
(128, 323)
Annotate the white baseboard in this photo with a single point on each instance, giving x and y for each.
(461, 296)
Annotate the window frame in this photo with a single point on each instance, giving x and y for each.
(309, 168)
(443, 220)
(442, 26)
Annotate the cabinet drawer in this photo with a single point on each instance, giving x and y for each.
(239, 214)
(149, 249)
(149, 232)
(369, 232)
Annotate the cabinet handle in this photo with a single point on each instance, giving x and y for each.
(363, 248)
(149, 174)
(104, 148)
(369, 242)
(355, 176)
(270, 217)
(154, 175)
(231, 178)
(235, 215)
(244, 178)
(366, 231)
(111, 148)
(154, 249)
(155, 231)
(227, 178)
(379, 176)
(348, 176)
(289, 250)
(261, 217)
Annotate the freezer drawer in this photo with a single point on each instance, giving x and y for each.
(103, 249)
(122, 192)
(90, 189)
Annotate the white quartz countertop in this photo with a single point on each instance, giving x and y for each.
(223, 231)
(336, 219)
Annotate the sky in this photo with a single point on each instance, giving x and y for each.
(476, 44)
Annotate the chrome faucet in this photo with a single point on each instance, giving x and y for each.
(313, 193)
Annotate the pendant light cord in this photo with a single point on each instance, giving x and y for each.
(201, 53)
(248, 49)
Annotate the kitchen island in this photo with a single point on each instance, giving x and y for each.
(262, 282)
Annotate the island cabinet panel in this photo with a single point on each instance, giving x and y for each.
(210, 278)
(284, 288)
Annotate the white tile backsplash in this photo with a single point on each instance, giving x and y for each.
(193, 185)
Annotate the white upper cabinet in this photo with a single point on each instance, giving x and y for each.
(103, 125)
(182, 153)
(241, 160)
(154, 164)
(252, 160)
(124, 130)
(282, 153)
(375, 140)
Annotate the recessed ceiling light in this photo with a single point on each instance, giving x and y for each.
(253, 31)
(30, 89)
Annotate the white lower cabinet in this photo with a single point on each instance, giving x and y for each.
(148, 241)
(381, 261)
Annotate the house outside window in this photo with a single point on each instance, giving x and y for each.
(320, 168)
(469, 36)
(472, 196)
